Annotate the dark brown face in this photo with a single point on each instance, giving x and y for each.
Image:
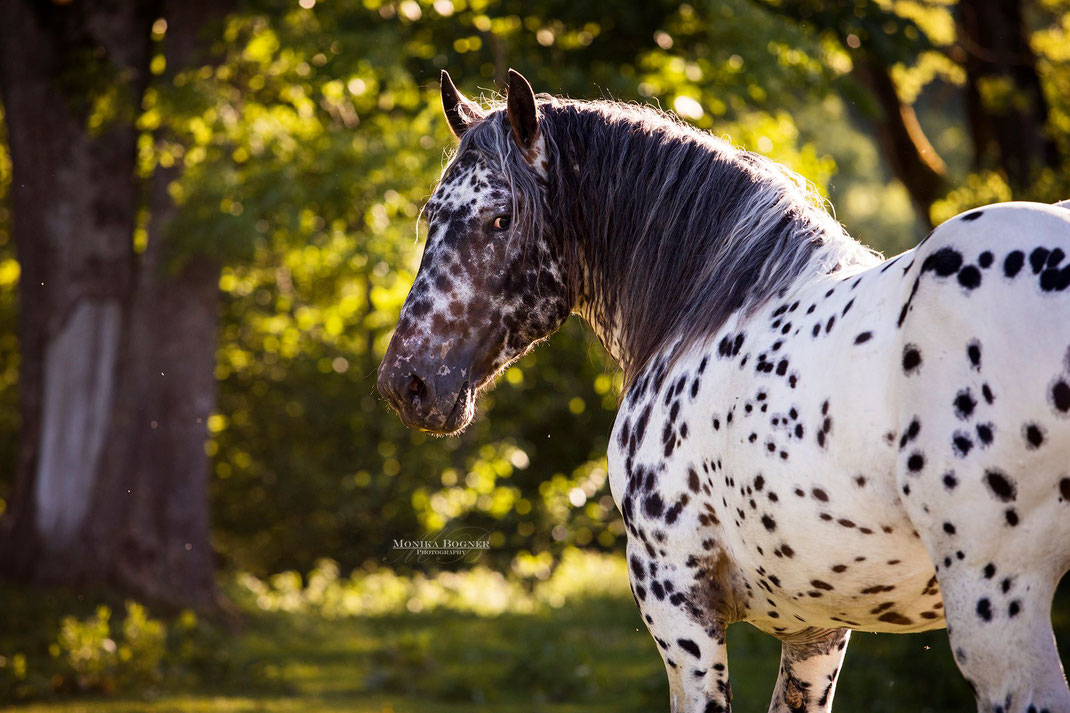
(483, 295)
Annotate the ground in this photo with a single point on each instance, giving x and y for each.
(589, 655)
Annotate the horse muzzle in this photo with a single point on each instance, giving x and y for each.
(436, 399)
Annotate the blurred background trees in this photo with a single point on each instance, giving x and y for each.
(210, 223)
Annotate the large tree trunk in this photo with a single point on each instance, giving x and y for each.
(1005, 104)
(117, 355)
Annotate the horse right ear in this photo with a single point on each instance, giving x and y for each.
(460, 113)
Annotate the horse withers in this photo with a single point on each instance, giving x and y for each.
(812, 439)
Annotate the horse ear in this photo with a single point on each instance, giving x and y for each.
(523, 113)
(460, 113)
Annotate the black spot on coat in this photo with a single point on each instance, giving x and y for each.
(944, 262)
(970, 277)
(1037, 259)
(1002, 487)
(1060, 396)
(964, 404)
(690, 647)
(1012, 264)
(911, 358)
(1033, 435)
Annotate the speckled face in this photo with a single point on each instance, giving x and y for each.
(484, 294)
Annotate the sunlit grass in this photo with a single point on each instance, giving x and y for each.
(573, 641)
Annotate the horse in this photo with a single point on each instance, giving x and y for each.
(812, 438)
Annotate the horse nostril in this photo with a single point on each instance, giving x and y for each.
(415, 390)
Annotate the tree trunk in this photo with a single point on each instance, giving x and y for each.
(1005, 104)
(117, 356)
(908, 152)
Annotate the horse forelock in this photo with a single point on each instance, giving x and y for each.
(665, 230)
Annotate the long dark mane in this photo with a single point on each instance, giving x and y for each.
(668, 230)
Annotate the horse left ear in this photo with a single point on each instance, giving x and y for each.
(523, 113)
(460, 113)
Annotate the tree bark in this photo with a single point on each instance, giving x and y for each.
(117, 360)
(1005, 104)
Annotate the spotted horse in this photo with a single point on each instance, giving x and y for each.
(812, 439)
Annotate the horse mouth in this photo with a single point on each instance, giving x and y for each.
(459, 416)
(443, 424)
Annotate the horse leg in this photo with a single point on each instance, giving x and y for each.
(809, 664)
(698, 673)
(696, 661)
(996, 539)
(1002, 638)
(691, 641)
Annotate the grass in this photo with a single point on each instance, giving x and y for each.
(590, 655)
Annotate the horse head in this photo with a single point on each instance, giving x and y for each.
(491, 282)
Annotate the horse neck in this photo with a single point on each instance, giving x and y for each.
(603, 267)
(605, 322)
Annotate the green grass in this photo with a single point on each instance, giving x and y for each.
(591, 655)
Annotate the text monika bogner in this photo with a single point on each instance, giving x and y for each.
(441, 544)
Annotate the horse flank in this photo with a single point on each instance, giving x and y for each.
(666, 229)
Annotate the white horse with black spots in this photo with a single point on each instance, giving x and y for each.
(812, 439)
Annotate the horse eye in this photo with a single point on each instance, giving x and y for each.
(501, 222)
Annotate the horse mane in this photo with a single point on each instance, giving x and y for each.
(666, 230)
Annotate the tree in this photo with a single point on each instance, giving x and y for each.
(117, 351)
(876, 39)
(1005, 104)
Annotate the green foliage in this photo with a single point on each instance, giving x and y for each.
(94, 655)
(529, 586)
(887, 32)
(59, 644)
